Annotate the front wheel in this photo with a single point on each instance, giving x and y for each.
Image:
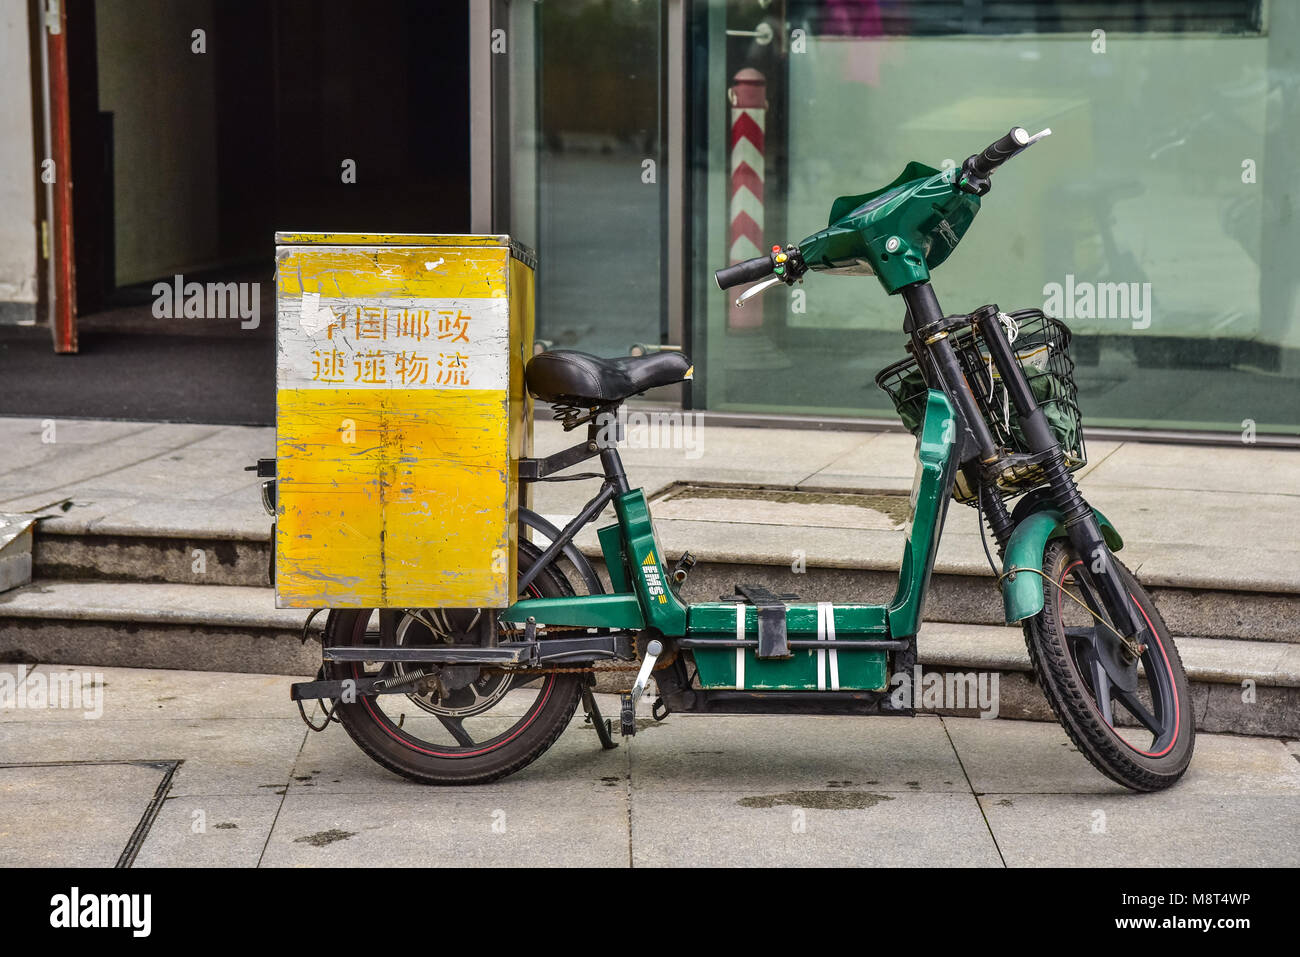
(1142, 740)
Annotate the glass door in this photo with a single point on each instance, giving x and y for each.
(586, 168)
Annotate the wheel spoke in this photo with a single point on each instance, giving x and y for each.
(457, 728)
(1135, 707)
(1101, 690)
(1083, 634)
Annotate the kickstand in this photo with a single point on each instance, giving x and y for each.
(604, 730)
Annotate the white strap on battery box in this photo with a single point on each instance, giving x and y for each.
(826, 632)
(834, 655)
(740, 652)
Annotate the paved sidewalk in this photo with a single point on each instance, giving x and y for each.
(255, 788)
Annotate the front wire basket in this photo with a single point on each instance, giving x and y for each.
(1042, 346)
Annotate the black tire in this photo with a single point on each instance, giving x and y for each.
(1163, 693)
(519, 745)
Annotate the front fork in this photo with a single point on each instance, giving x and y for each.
(1081, 526)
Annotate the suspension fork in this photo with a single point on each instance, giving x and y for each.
(1080, 523)
(925, 323)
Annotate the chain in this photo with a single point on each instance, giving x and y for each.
(562, 671)
(588, 669)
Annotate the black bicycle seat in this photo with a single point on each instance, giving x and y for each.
(564, 375)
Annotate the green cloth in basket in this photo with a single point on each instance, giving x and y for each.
(909, 400)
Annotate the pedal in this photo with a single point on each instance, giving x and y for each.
(627, 721)
(683, 567)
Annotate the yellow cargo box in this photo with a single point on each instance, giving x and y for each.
(401, 416)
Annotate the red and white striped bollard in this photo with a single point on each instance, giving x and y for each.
(748, 97)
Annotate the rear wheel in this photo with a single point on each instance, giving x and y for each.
(478, 726)
(1144, 739)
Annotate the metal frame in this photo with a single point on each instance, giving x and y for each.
(540, 470)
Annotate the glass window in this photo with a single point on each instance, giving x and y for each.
(596, 173)
(1157, 220)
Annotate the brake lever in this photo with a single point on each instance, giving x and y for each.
(756, 289)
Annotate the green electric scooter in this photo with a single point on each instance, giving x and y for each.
(468, 696)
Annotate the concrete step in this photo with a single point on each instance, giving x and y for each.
(1239, 686)
(960, 591)
(148, 625)
(159, 555)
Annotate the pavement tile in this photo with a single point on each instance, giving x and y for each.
(49, 693)
(209, 831)
(1151, 465)
(78, 815)
(1004, 757)
(464, 827)
(1173, 828)
(753, 510)
(142, 693)
(15, 429)
(698, 753)
(257, 441)
(84, 471)
(1248, 567)
(236, 514)
(725, 448)
(791, 827)
(231, 756)
(69, 515)
(187, 474)
(881, 456)
(1190, 516)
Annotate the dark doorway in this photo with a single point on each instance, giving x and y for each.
(199, 128)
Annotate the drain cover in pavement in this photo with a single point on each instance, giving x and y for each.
(79, 814)
(881, 511)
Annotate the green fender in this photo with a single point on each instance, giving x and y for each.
(1022, 593)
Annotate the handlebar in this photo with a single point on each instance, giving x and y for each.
(999, 151)
(787, 266)
(750, 270)
(977, 169)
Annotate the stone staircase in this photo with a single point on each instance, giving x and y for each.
(203, 602)
(152, 550)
